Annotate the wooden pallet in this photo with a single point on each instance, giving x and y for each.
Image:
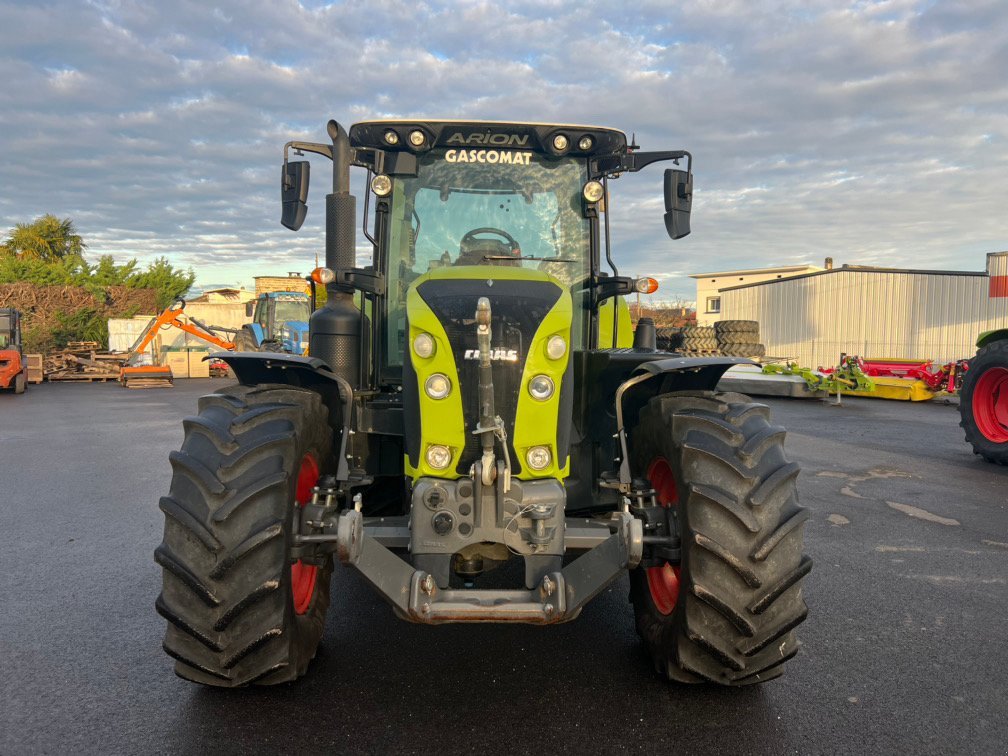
(35, 372)
(81, 361)
(83, 377)
(146, 383)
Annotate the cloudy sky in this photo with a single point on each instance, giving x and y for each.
(872, 132)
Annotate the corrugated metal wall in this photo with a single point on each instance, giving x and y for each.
(902, 315)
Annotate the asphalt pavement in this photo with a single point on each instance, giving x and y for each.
(904, 649)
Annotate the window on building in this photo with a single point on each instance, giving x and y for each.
(713, 304)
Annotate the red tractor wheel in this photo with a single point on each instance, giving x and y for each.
(240, 607)
(726, 613)
(983, 403)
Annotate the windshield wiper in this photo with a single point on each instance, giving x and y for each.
(529, 257)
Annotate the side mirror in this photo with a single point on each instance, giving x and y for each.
(249, 309)
(678, 202)
(294, 193)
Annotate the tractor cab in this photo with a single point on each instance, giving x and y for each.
(279, 323)
(10, 330)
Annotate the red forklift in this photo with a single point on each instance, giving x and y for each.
(13, 368)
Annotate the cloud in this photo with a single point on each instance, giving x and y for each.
(874, 132)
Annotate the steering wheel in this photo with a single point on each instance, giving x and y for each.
(472, 250)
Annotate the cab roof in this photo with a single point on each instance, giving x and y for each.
(582, 141)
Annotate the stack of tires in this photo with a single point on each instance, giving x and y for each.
(668, 339)
(698, 340)
(739, 338)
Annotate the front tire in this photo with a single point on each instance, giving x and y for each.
(983, 403)
(239, 608)
(726, 613)
(244, 342)
(19, 383)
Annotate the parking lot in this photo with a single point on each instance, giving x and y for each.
(904, 649)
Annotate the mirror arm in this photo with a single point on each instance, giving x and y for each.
(635, 161)
(613, 286)
(319, 149)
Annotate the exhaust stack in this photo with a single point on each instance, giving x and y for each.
(336, 328)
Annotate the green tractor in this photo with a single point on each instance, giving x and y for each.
(478, 430)
(983, 399)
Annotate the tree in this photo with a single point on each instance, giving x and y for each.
(47, 238)
(169, 282)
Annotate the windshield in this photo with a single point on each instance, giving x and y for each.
(287, 311)
(486, 207)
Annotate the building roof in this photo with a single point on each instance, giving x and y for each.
(860, 269)
(756, 271)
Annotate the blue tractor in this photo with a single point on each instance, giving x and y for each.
(279, 324)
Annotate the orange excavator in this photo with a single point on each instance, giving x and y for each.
(134, 375)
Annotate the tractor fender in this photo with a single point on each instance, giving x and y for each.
(989, 337)
(257, 332)
(257, 368)
(650, 379)
(254, 368)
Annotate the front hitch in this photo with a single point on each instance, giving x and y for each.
(490, 427)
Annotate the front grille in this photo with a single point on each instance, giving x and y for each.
(517, 310)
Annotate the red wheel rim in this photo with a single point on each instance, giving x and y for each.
(663, 581)
(303, 576)
(990, 404)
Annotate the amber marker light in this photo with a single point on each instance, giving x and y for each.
(323, 276)
(646, 285)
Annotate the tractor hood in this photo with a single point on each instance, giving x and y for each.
(528, 308)
(294, 336)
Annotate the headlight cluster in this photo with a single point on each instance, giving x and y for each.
(438, 386)
(438, 456)
(538, 457)
(556, 347)
(423, 345)
(541, 387)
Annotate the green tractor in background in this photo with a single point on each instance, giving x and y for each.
(983, 399)
(478, 430)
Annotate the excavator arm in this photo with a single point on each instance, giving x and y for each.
(159, 375)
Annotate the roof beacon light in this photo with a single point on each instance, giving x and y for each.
(323, 276)
(381, 185)
(646, 285)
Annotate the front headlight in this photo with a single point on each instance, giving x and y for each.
(423, 345)
(556, 347)
(541, 387)
(538, 457)
(438, 386)
(438, 456)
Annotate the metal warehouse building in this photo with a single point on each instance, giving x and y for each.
(874, 312)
